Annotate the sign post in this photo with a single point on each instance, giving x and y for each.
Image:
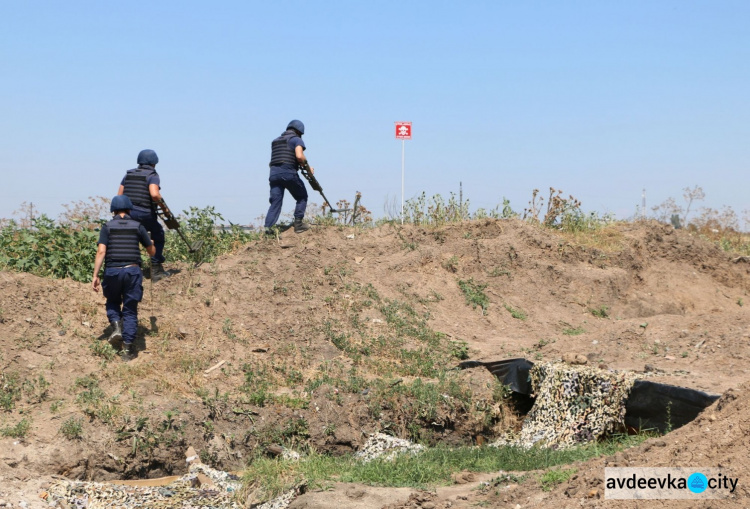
(403, 132)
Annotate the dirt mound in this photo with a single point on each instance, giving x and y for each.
(717, 438)
(330, 335)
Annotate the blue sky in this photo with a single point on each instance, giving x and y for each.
(599, 99)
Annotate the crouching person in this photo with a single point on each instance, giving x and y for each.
(122, 284)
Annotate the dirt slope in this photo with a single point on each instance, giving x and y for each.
(672, 301)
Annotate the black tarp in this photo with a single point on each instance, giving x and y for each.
(650, 405)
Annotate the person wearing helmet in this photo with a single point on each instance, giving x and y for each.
(122, 284)
(287, 155)
(143, 186)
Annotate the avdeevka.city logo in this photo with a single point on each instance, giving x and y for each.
(625, 483)
(697, 483)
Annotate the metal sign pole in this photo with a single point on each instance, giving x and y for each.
(403, 144)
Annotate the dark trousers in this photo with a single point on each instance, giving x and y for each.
(150, 221)
(123, 288)
(289, 181)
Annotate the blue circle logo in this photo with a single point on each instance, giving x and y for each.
(697, 483)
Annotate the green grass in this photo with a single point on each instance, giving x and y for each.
(430, 468)
(556, 476)
(573, 331)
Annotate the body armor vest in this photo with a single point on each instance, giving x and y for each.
(123, 244)
(136, 186)
(280, 151)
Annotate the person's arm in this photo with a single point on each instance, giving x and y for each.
(153, 190)
(121, 191)
(100, 253)
(151, 250)
(302, 160)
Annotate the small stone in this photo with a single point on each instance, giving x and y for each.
(274, 449)
(591, 493)
(669, 357)
(570, 358)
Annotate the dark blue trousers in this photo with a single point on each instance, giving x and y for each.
(123, 288)
(289, 181)
(150, 221)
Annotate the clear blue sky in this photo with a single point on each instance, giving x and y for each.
(599, 99)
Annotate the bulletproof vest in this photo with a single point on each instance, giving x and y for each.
(123, 244)
(280, 151)
(136, 186)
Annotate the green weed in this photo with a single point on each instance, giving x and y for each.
(20, 430)
(600, 312)
(516, 313)
(10, 390)
(72, 429)
(555, 476)
(474, 293)
(103, 349)
(94, 401)
(451, 264)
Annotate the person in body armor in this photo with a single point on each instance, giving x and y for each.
(287, 155)
(122, 284)
(143, 186)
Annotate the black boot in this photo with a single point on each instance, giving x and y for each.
(300, 226)
(158, 272)
(128, 352)
(115, 339)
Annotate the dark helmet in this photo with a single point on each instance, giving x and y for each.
(297, 126)
(148, 156)
(120, 202)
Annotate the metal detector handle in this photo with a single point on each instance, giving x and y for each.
(305, 170)
(166, 215)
